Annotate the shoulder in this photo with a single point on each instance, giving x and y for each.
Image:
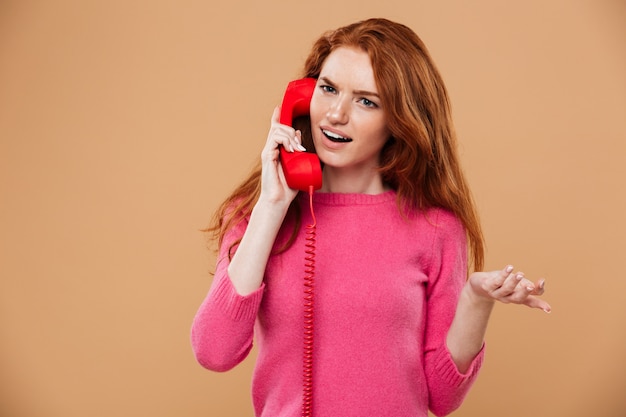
(446, 230)
(434, 220)
(443, 220)
(448, 244)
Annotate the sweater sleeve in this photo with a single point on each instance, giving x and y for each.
(223, 327)
(447, 275)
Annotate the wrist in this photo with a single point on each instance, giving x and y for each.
(476, 299)
(276, 201)
(270, 209)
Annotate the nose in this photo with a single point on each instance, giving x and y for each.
(337, 111)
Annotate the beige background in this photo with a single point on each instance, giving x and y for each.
(124, 123)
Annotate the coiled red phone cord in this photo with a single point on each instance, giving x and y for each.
(309, 275)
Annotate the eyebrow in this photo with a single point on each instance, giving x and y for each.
(356, 92)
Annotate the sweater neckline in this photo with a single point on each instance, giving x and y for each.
(339, 199)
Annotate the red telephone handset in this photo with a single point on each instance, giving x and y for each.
(303, 172)
(302, 169)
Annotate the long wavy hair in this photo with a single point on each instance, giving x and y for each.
(420, 161)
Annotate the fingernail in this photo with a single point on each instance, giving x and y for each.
(302, 148)
(542, 284)
(519, 277)
(530, 288)
(509, 269)
(547, 310)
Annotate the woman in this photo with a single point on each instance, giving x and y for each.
(399, 327)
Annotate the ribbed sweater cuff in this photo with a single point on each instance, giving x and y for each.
(448, 372)
(238, 307)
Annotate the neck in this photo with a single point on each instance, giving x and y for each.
(342, 181)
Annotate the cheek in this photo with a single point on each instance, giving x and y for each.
(378, 132)
(383, 130)
(315, 110)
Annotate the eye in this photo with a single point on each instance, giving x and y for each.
(327, 89)
(368, 103)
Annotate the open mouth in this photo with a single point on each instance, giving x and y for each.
(335, 137)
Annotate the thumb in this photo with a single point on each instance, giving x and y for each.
(276, 115)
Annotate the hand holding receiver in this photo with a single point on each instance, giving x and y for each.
(302, 170)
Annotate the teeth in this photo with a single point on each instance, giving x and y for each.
(335, 136)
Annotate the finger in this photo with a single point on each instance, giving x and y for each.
(540, 287)
(535, 302)
(281, 135)
(528, 285)
(294, 142)
(498, 278)
(533, 288)
(298, 141)
(522, 291)
(507, 281)
(270, 143)
(287, 141)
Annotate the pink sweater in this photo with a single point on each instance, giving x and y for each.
(386, 290)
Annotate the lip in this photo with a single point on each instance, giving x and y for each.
(329, 143)
(335, 131)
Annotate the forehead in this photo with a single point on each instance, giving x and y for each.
(351, 66)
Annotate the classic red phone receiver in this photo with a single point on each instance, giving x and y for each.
(302, 169)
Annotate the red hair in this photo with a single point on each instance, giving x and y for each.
(420, 161)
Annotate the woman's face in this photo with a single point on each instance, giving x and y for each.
(347, 121)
